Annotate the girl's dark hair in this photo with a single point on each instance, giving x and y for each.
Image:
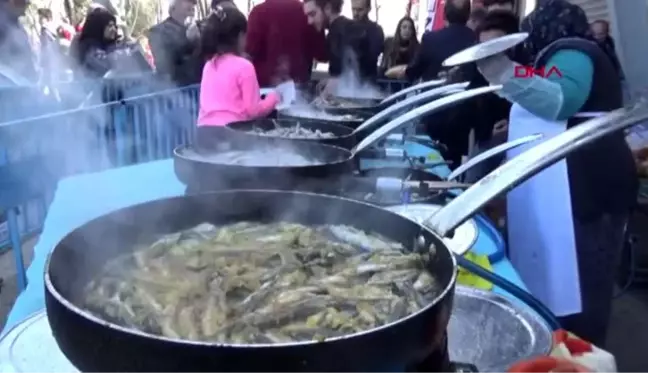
(216, 3)
(92, 34)
(501, 20)
(457, 12)
(336, 5)
(44, 12)
(398, 43)
(221, 32)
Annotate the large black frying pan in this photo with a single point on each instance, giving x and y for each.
(92, 344)
(342, 136)
(193, 169)
(343, 105)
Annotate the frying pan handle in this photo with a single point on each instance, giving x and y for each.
(501, 148)
(429, 108)
(429, 84)
(529, 163)
(420, 98)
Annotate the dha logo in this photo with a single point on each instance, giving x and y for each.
(525, 72)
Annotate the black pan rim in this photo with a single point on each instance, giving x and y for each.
(344, 97)
(351, 133)
(286, 115)
(51, 289)
(348, 156)
(327, 108)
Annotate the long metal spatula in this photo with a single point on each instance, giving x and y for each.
(429, 108)
(492, 152)
(529, 163)
(417, 87)
(421, 98)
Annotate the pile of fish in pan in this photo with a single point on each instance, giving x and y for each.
(323, 101)
(293, 132)
(254, 158)
(256, 283)
(312, 112)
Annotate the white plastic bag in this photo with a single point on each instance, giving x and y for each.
(288, 93)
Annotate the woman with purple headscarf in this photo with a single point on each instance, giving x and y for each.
(566, 225)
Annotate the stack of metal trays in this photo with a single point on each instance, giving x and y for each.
(486, 330)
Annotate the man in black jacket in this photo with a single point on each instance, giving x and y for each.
(361, 9)
(438, 45)
(348, 42)
(491, 128)
(174, 54)
(452, 126)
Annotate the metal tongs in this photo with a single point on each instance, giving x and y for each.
(527, 164)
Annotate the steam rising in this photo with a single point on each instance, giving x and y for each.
(52, 128)
(350, 85)
(89, 125)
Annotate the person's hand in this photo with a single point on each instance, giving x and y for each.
(287, 93)
(500, 127)
(495, 68)
(396, 72)
(193, 32)
(451, 76)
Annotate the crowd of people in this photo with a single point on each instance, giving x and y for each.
(591, 196)
(60, 51)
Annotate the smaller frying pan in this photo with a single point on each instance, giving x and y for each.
(342, 136)
(340, 105)
(196, 167)
(364, 128)
(376, 105)
(352, 119)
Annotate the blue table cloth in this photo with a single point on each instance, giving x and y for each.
(81, 198)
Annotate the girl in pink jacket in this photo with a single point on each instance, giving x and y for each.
(229, 90)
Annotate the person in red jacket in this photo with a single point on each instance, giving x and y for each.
(281, 44)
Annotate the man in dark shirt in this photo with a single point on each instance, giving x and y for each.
(477, 16)
(347, 41)
(491, 128)
(281, 44)
(361, 9)
(438, 45)
(451, 126)
(601, 33)
(174, 54)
